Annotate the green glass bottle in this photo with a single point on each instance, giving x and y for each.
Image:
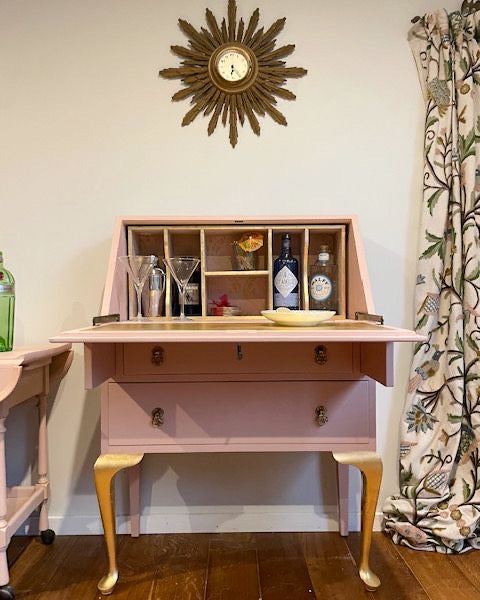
(7, 307)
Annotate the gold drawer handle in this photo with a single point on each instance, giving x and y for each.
(157, 355)
(157, 417)
(321, 416)
(321, 355)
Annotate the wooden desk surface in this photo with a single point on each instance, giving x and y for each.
(229, 330)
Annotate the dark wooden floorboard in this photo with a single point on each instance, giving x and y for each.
(182, 568)
(398, 580)
(139, 559)
(78, 574)
(283, 572)
(264, 566)
(232, 568)
(469, 565)
(34, 573)
(331, 567)
(439, 576)
(75, 571)
(16, 547)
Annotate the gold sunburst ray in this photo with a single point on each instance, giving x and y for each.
(241, 27)
(232, 20)
(213, 26)
(240, 109)
(262, 92)
(252, 25)
(209, 36)
(282, 52)
(224, 99)
(271, 32)
(224, 31)
(211, 105)
(216, 114)
(226, 106)
(188, 91)
(195, 39)
(266, 49)
(258, 34)
(281, 92)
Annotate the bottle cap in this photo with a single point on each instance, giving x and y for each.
(324, 254)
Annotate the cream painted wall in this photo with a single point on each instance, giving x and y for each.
(89, 132)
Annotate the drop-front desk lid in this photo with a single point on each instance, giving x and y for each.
(230, 330)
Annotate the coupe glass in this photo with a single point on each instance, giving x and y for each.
(139, 268)
(182, 268)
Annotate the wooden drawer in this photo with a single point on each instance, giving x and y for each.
(139, 359)
(239, 414)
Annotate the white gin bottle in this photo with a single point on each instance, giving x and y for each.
(285, 278)
(323, 282)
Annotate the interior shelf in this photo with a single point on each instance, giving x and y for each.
(249, 290)
(253, 273)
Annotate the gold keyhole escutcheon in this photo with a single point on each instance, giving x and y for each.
(157, 355)
(321, 355)
(158, 415)
(321, 416)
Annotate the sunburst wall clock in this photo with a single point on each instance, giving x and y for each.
(233, 72)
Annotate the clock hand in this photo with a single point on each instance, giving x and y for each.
(239, 76)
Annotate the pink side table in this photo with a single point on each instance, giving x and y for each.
(27, 373)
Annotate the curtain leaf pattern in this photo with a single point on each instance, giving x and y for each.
(438, 508)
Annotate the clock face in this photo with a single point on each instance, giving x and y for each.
(233, 65)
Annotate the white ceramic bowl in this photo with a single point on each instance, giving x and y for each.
(298, 318)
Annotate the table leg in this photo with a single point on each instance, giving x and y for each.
(106, 467)
(134, 496)
(46, 535)
(4, 576)
(370, 465)
(342, 488)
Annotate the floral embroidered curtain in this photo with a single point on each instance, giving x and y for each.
(438, 508)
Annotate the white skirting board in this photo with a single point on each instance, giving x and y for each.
(205, 520)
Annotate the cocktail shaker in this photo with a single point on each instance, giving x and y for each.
(155, 293)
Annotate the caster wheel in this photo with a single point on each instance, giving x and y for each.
(6, 592)
(47, 538)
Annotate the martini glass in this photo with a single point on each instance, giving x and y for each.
(139, 268)
(182, 268)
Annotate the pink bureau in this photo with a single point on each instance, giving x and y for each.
(239, 384)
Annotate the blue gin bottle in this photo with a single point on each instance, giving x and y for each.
(286, 286)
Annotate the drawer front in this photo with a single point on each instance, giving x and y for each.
(171, 359)
(238, 413)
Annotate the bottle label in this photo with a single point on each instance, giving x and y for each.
(192, 294)
(324, 256)
(290, 302)
(320, 288)
(285, 282)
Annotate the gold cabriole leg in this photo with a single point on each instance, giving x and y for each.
(106, 467)
(370, 465)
